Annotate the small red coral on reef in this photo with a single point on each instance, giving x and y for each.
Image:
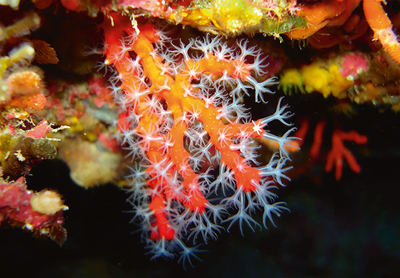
(338, 152)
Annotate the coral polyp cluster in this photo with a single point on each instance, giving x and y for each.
(192, 139)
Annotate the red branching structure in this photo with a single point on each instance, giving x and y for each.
(192, 139)
(338, 151)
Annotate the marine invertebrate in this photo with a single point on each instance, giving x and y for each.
(90, 165)
(20, 148)
(228, 17)
(41, 213)
(242, 16)
(337, 13)
(20, 84)
(193, 141)
(338, 152)
(382, 27)
(353, 64)
(359, 77)
(319, 15)
(321, 77)
(354, 28)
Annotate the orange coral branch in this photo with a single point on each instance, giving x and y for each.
(382, 27)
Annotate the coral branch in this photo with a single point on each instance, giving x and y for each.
(382, 27)
(182, 120)
(339, 151)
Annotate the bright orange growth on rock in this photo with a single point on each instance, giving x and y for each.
(325, 13)
(338, 13)
(25, 90)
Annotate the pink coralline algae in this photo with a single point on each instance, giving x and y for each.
(353, 64)
(19, 207)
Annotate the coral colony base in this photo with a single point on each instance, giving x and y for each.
(193, 144)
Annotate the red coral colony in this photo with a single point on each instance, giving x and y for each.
(185, 106)
(181, 121)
